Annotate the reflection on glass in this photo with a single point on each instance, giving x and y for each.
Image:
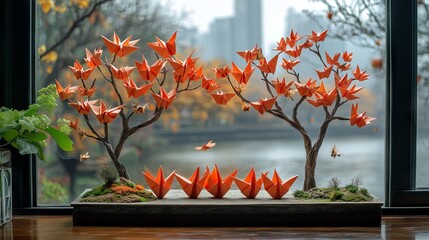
(216, 29)
(422, 164)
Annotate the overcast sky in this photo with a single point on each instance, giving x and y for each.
(204, 11)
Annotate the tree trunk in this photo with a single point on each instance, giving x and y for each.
(120, 168)
(310, 169)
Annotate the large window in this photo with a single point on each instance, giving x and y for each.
(216, 29)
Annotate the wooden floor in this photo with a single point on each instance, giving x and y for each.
(60, 228)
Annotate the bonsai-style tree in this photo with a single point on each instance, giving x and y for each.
(334, 67)
(132, 108)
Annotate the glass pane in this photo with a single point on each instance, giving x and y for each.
(422, 163)
(244, 139)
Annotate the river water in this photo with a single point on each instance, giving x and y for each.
(362, 156)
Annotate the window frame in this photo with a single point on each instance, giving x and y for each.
(400, 104)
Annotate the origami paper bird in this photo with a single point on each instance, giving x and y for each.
(83, 107)
(196, 74)
(149, 72)
(294, 52)
(242, 76)
(275, 187)
(209, 84)
(119, 48)
(317, 37)
(360, 76)
(282, 88)
(217, 186)
(86, 92)
(134, 91)
(182, 68)
(194, 184)
(222, 72)
(281, 45)
(325, 73)
(122, 73)
(159, 185)
(66, 92)
(359, 119)
(222, 98)
(105, 115)
(292, 39)
(79, 72)
(332, 60)
(93, 59)
(250, 186)
(347, 57)
(165, 49)
(306, 44)
(307, 89)
(263, 105)
(342, 82)
(349, 94)
(164, 99)
(250, 55)
(269, 67)
(206, 146)
(344, 66)
(323, 98)
(74, 123)
(289, 64)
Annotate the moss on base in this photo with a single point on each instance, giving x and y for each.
(122, 191)
(345, 194)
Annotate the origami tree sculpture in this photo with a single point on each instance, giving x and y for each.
(133, 117)
(314, 92)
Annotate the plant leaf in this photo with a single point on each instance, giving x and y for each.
(25, 147)
(32, 109)
(10, 134)
(35, 136)
(63, 141)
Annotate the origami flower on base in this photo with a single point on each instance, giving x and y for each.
(159, 185)
(250, 186)
(217, 186)
(194, 184)
(275, 187)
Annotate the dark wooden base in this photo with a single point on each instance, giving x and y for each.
(233, 210)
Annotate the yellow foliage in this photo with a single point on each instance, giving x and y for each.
(41, 49)
(52, 56)
(49, 69)
(46, 5)
(81, 3)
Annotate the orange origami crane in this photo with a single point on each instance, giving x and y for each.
(159, 185)
(165, 49)
(332, 60)
(209, 84)
(289, 64)
(195, 74)
(361, 76)
(349, 94)
(120, 48)
(149, 72)
(281, 45)
(325, 73)
(318, 37)
(263, 105)
(86, 92)
(83, 107)
(275, 187)
(294, 52)
(134, 91)
(217, 186)
(269, 67)
(79, 72)
(306, 89)
(182, 68)
(222, 98)
(323, 98)
(222, 72)
(74, 123)
(292, 39)
(194, 184)
(357, 119)
(66, 92)
(93, 59)
(242, 76)
(306, 44)
(164, 99)
(250, 186)
(250, 55)
(206, 146)
(347, 57)
(282, 88)
(105, 115)
(122, 73)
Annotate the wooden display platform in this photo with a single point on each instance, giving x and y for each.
(176, 209)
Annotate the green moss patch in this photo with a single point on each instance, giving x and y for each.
(349, 193)
(121, 191)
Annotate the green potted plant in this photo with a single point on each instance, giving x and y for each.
(27, 131)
